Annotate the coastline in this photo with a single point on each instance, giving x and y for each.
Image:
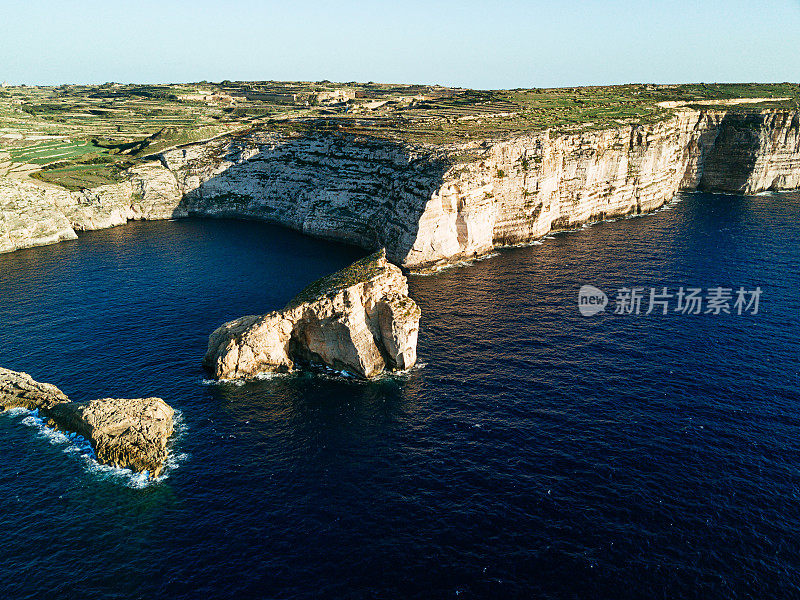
(428, 205)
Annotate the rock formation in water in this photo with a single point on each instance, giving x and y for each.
(125, 432)
(358, 320)
(428, 204)
(19, 390)
(130, 433)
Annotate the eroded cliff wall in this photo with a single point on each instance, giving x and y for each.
(518, 190)
(362, 191)
(425, 204)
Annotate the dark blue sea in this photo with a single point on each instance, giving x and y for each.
(533, 453)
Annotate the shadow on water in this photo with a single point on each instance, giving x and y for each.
(299, 183)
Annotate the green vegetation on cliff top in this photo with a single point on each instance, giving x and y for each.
(83, 136)
(362, 270)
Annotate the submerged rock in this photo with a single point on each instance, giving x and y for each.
(131, 433)
(359, 320)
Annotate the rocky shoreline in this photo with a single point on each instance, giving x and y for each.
(130, 433)
(426, 204)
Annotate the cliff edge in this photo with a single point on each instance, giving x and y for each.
(359, 320)
(428, 203)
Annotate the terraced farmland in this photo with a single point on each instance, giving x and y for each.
(81, 136)
(51, 151)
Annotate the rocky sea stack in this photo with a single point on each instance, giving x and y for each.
(359, 320)
(129, 433)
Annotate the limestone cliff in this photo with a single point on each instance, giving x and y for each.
(129, 432)
(517, 190)
(36, 214)
(429, 204)
(30, 216)
(359, 320)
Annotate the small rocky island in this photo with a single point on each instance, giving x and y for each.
(130, 433)
(359, 320)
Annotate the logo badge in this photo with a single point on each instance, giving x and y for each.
(591, 300)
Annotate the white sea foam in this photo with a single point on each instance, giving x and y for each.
(15, 412)
(454, 265)
(317, 370)
(267, 375)
(75, 444)
(124, 477)
(236, 382)
(527, 244)
(240, 382)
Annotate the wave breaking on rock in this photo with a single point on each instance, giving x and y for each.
(129, 433)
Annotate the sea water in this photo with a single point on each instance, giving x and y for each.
(533, 453)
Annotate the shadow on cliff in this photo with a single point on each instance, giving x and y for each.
(729, 164)
(354, 189)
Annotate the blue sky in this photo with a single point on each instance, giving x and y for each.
(501, 44)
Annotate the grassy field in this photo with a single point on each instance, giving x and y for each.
(82, 176)
(50, 151)
(103, 129)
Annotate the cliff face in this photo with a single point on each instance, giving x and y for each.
(30, 216)
(360, 320)
(754, 152)
(428, 205)
(35, 214)
(361, 191)
(518, 190)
